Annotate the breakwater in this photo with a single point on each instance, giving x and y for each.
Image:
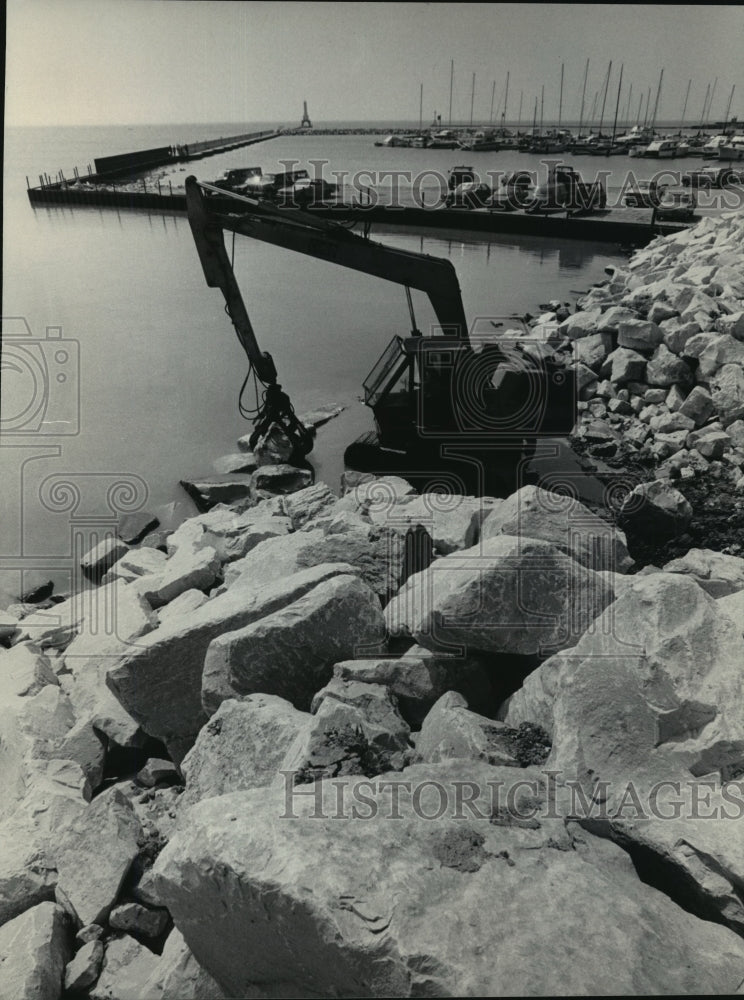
(108, 168)
(203, 747)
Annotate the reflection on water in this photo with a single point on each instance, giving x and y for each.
(160, 367)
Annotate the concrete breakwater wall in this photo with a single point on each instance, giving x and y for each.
(313, 759)
(133, 163)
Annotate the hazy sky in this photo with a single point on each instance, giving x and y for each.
(142, 61)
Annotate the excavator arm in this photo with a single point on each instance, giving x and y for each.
(304, 233)
(296, 230)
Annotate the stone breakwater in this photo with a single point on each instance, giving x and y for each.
(658, 350)
(397, 744)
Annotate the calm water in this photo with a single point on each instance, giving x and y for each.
(159, 365)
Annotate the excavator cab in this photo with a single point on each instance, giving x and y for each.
(432, 390)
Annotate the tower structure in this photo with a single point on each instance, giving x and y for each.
(305, 123)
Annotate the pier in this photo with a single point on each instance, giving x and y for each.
(109, 168)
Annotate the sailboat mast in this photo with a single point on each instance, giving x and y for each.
(472, 100)
(583, 95)
(560, 99)
(626, 119)
(594, 106)
(493, 95)
(421, 106)
(452, 80)
(519, 121)
(617, 108)
(712, 95)
(506, 98)
(684, 106)
(640, 104)
(658, 95)
(542, 106)
(728, 106)
(705, 106)
(604, 99)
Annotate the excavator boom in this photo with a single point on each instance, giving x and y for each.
(296, 230)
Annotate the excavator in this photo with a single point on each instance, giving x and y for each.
(431, 395)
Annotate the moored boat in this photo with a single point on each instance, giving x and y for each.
(661, 149)
(444, 139)
(733, 150)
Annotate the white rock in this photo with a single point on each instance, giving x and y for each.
(291, 652)
(508, 594)
(33, 954)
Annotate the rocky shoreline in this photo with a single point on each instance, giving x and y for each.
(401, 744)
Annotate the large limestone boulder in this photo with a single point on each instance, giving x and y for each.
(452, 521)
(102, 557)
(717, 573)
(655, 510)
(377, 552)
(57, 626)
(386, 927)
(623, 366)
(159, 682)
(83, 970)
(234, 488)
(665, 368)
(450, 730)
(229, 532)
(178, 975)
(580, 324)
(713, 352)
(95, 707)
(610, 320)
(508, 594)
(533, 512)
(37, 725)
(115, 617)
(639, 335)
(653, 690)
(95, 852)
(241, 747)
(136, 563)
(127, 968)
(418, 678)
(291, 652)
(592, 350)
(189, 568)
(34, 950)
(27, 872)
(688, 831)
(727, 392)
(272, 480)
(306, 506)
(376, 493)
(698, 405)
(356, 729)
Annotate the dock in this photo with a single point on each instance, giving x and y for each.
(624, 226)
